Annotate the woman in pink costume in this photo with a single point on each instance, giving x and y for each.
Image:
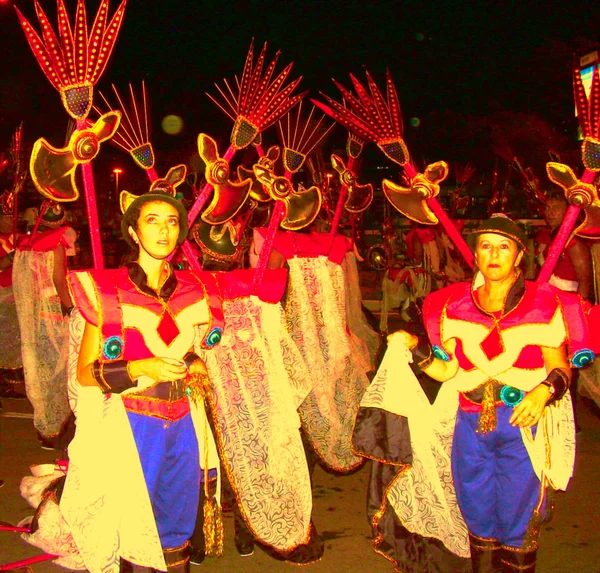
(137, 364)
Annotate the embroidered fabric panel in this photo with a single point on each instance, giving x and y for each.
(355, 317)
(316, 318)
(257, 426)
(10, 335)
(44, 335)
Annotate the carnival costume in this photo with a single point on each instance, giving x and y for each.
(258, 379)
(11, 363)
(162, 419)
(315, 309)
(44, 329)
(499, 359)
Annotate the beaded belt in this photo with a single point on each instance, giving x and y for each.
(503, 395)
(167, 401)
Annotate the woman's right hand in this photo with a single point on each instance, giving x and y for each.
(409, 339)
(159, 369)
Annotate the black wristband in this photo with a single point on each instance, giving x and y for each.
(423, 354)
(559, 383)
(190, 358)
(112, 377)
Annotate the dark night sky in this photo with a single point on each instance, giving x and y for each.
(463, 56)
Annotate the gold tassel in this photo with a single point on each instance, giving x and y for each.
(213, 527)
(487, 417)
(532, 534)
(195, 386)
(530, 543)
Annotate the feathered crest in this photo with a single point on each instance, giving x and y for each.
(371, 116)
(133, 134)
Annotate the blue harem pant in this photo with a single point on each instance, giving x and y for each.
(170, 460)
(495, 484)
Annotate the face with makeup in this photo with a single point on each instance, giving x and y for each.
(157, 230)
(497, 256)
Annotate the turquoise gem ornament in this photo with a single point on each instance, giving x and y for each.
(113, 348)
(582, 357)
(213, 337)
(440, 353)
(511, 396)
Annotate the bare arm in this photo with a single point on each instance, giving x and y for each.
(6, 262)
(582, 261)
(59, 276)
(529, 411)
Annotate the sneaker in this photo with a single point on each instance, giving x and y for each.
(196, 555)
(245, 547)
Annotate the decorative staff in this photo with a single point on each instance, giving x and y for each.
(348, 179)
(581, 193)
(133, 135)
(73, 65)
(255, 103)
(294, 208)
(19, 175)
(377, 119)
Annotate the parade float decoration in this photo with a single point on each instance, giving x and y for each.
(73, 61)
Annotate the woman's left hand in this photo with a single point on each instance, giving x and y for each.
(198, 367)
(529, 411)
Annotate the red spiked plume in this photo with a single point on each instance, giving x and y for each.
(73, 60)
(371, 116)
(588, 113)
(257, 101)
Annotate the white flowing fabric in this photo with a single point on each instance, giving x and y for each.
(258, 380)
(315, 310)
(44, 339)
(423, 495)
(355, 317)
(10, 336)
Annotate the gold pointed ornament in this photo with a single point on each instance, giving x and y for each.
(53, 169)
(411, 201)
(301, 205)
(580, 194)
(228, 196)
(359, 196)
(258, 191)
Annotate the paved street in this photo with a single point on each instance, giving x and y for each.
(569, 543)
